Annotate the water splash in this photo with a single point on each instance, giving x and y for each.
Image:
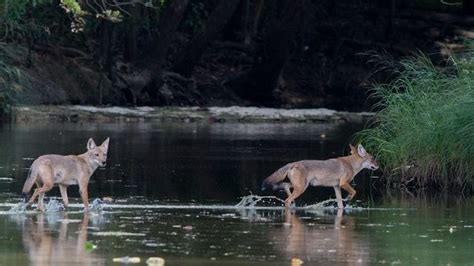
(326, 204)
(18, 208)
(54, 206)
(97, 205)
(251, 201)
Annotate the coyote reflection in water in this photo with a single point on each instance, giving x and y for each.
(54, 240)
(321, 242)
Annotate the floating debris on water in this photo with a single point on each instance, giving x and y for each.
(188, 227)
(296, 262)
(155, 261)
(89, 246)
(127, 259)
(107, 199)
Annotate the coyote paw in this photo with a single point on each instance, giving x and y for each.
(348, 198)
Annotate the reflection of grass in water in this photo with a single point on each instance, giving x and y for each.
(424, 236)
(425, 130)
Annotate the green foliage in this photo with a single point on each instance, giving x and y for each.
(426, 126)
(13, 23)
(72, 6)
(13, 10)
(12, 81)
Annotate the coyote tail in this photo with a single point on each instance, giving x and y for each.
(29, 182)
(277, 176)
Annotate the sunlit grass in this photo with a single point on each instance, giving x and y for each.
(424, 133)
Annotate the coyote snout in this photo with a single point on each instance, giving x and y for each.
(369, 161)
(336, 173)
(52, 169)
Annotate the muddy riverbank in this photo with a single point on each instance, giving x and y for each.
(76, 113)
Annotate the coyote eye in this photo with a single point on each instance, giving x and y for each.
(97, 155)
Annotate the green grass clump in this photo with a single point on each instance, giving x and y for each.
(424, 133)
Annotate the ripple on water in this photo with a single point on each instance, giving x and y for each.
(116, 233)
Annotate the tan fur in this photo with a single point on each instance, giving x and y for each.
(68, 170)
(336, 173)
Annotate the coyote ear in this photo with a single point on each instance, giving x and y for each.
(361, 151)
(91, 144)
(105, 144)
(353, 149)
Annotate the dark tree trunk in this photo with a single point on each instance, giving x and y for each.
(214, 25)
(130, 49)
(254, 21)
(104, 39)
(243, 29)
(169, 22)
(107, 36)
(258, 84)
(109, 62)
(237, 28)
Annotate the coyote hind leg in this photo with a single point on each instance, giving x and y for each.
(297, 176)
(286, 186)
(45, 177)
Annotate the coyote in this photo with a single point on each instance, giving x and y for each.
(336, 173)
(50, 169)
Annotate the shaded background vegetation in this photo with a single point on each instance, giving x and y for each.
(281, 53)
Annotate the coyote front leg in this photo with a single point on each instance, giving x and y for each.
(337, 190)
(84, 196)
(63, 190)
(350, 190)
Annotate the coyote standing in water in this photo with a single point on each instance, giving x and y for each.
(336, 173)
(52, 169)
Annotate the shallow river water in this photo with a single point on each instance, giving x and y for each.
(175, 190)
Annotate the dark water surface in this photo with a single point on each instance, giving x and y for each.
(183, 181)
(185, 162)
